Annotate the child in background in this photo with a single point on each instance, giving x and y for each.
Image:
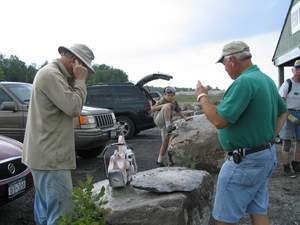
(164, 110)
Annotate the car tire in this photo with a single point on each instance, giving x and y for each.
(89, 153)
(127, 125)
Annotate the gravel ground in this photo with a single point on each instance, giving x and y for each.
(284, 192)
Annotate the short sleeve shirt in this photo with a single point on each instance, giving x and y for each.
(293, 97)
(251, 106)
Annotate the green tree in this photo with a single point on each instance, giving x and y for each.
(14, 69)
(107, 74)
(30, 73)
(2, 75)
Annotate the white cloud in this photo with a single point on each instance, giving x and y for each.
(137, 36)
(187, 65)
(113, 28)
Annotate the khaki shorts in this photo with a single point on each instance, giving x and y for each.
(160, 122)
(159, 119)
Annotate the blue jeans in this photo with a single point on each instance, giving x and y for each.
(242, 188)
(53, 195)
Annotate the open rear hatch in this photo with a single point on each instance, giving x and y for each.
(147, 79)
(151, 77)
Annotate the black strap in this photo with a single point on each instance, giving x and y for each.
(247, 151)
(290, 85)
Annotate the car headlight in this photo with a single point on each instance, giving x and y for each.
(114, 118)
(87, 122)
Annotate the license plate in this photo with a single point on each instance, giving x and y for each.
(16, 187)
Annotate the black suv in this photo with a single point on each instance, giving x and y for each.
(130, 103)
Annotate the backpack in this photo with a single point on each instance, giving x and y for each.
(290, 86)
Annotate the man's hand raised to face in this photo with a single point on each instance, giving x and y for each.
(80, 71)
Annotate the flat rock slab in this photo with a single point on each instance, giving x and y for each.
(133, 206)
(169, 179)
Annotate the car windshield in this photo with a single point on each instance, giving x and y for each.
(21, 91)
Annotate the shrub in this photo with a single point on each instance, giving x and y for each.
(87, 207)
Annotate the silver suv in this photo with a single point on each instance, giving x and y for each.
(93, 128)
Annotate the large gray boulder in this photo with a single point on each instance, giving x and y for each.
(168, 202)
(195, 144)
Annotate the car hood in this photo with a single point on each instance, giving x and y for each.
(9, 148)
(152, 77)
(87, 110)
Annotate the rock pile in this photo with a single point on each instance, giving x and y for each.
(195, 145)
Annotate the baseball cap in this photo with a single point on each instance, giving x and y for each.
(234, 47)
(297, 64)
(169, 90)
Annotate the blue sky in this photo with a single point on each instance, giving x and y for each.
(241, 18)
(181, 38)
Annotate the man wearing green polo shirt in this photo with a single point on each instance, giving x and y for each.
(249, 117)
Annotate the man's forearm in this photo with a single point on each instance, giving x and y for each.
(210, 111)
(280, 122)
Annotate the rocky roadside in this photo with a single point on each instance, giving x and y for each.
(284, 192)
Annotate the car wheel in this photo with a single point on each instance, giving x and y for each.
(127, 126)
(89, 153)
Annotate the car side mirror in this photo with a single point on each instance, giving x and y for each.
(8, 106)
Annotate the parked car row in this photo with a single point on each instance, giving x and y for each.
(126, 103)
(93, 128)
(130, 103)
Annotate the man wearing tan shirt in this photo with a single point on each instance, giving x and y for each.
(59, 92)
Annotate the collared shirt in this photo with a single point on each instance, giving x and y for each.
(55, 100)
(251, 106)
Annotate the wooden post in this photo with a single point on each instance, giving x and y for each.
(280, 75)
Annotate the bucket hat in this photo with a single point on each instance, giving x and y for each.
(82, 52)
